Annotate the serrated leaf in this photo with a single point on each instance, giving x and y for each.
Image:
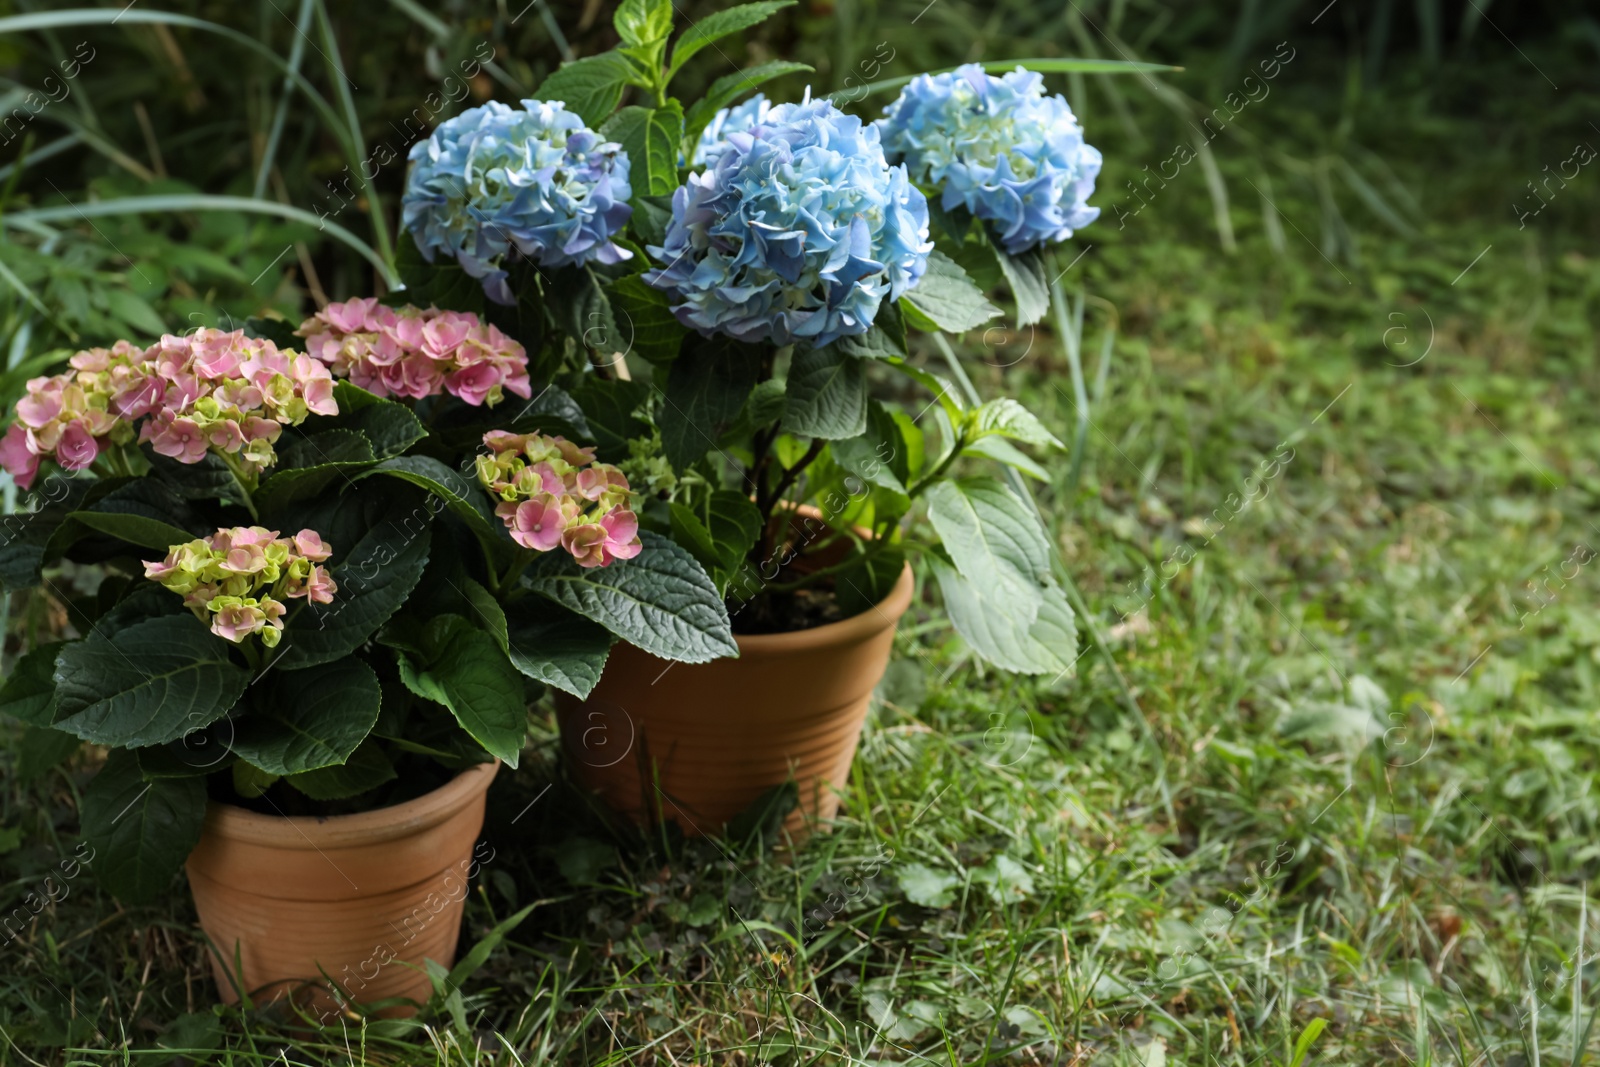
(139, 514)
(1003, 451)
(389, 425)
(365, 770)
(141, 831)
(469, 674)
(880, 455)
(994, 539)
(662, 600)
(876, 343)
(986, 616)
(728, 88)
(591, 87)
(706, 389)
(946, 299)
(374, 577)
(1009, 419)
(465, 498)
(925, 886)
(651, 137)
(826, 395)
(311, 466)
(552, 646)
(644, 313)
(583, 310)
(718, 25)
(309, 719)
(1030, 285)
(1007, 880)
(722, 536)
(651, 217)
(147, 683)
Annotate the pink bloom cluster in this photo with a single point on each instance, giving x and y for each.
(208, 390)
(415, 353)
(553, 494)
(238, 578)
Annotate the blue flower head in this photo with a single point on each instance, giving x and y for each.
(1010, 154)
(730, 120)
(535, 179)
(796, 233)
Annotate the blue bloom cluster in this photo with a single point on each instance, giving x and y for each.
(797, 233)
(730, 120)
(535, 179)
(1010, 154)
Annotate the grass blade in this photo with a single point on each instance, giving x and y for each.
(147, 205)
(281, 114)
(1001, 66)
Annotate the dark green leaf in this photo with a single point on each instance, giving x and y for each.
(374, 577)
(140, 513)
(661, 600)
(876, 343)
(469, 674)
(40, 749)
(312, 466)
(583, 310)
(365, 770)
(718, 25)
(651, 137)
(827, 395)
(706, 389)
(389, 425)
(651, 216)
(649, 329)
(591, 87)
(946, 299)
(141, 831)
(553, 646)
(609, 405)
(29, 693)
(728, 88)
(208, 479)
(277, 331)
(309, 719)
(466, 498)
(146, 684)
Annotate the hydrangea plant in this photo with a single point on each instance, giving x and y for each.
(285, 591)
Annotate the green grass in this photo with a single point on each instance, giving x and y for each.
(1354, 819)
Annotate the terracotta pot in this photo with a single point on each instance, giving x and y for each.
(699, 743)
(358, 896)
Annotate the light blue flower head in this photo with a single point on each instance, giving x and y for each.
(730, 120)
(1012, 155)
(535, 179)
(797, 233)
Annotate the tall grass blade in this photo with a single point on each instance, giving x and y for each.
(148, 205)
(342, 83)
(1001, 66)
(280, 114)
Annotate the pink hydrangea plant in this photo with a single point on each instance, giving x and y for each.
(553, 494)
(415, 352)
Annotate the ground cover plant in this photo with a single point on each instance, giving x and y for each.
(1320, 785)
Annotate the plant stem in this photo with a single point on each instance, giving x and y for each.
(244, 480)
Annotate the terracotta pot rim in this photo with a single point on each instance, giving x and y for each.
(307, 832)
(857, 628)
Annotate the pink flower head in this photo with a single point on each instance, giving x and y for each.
(43, 403)
(77, 447)
(310, 544)
(622, 535)
(320, 587)
(20, 461)
(178, 438)
(536, 523)
(587, 544)
(238, 621)
(474, 383)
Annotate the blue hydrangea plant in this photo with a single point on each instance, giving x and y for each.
(725, 297)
